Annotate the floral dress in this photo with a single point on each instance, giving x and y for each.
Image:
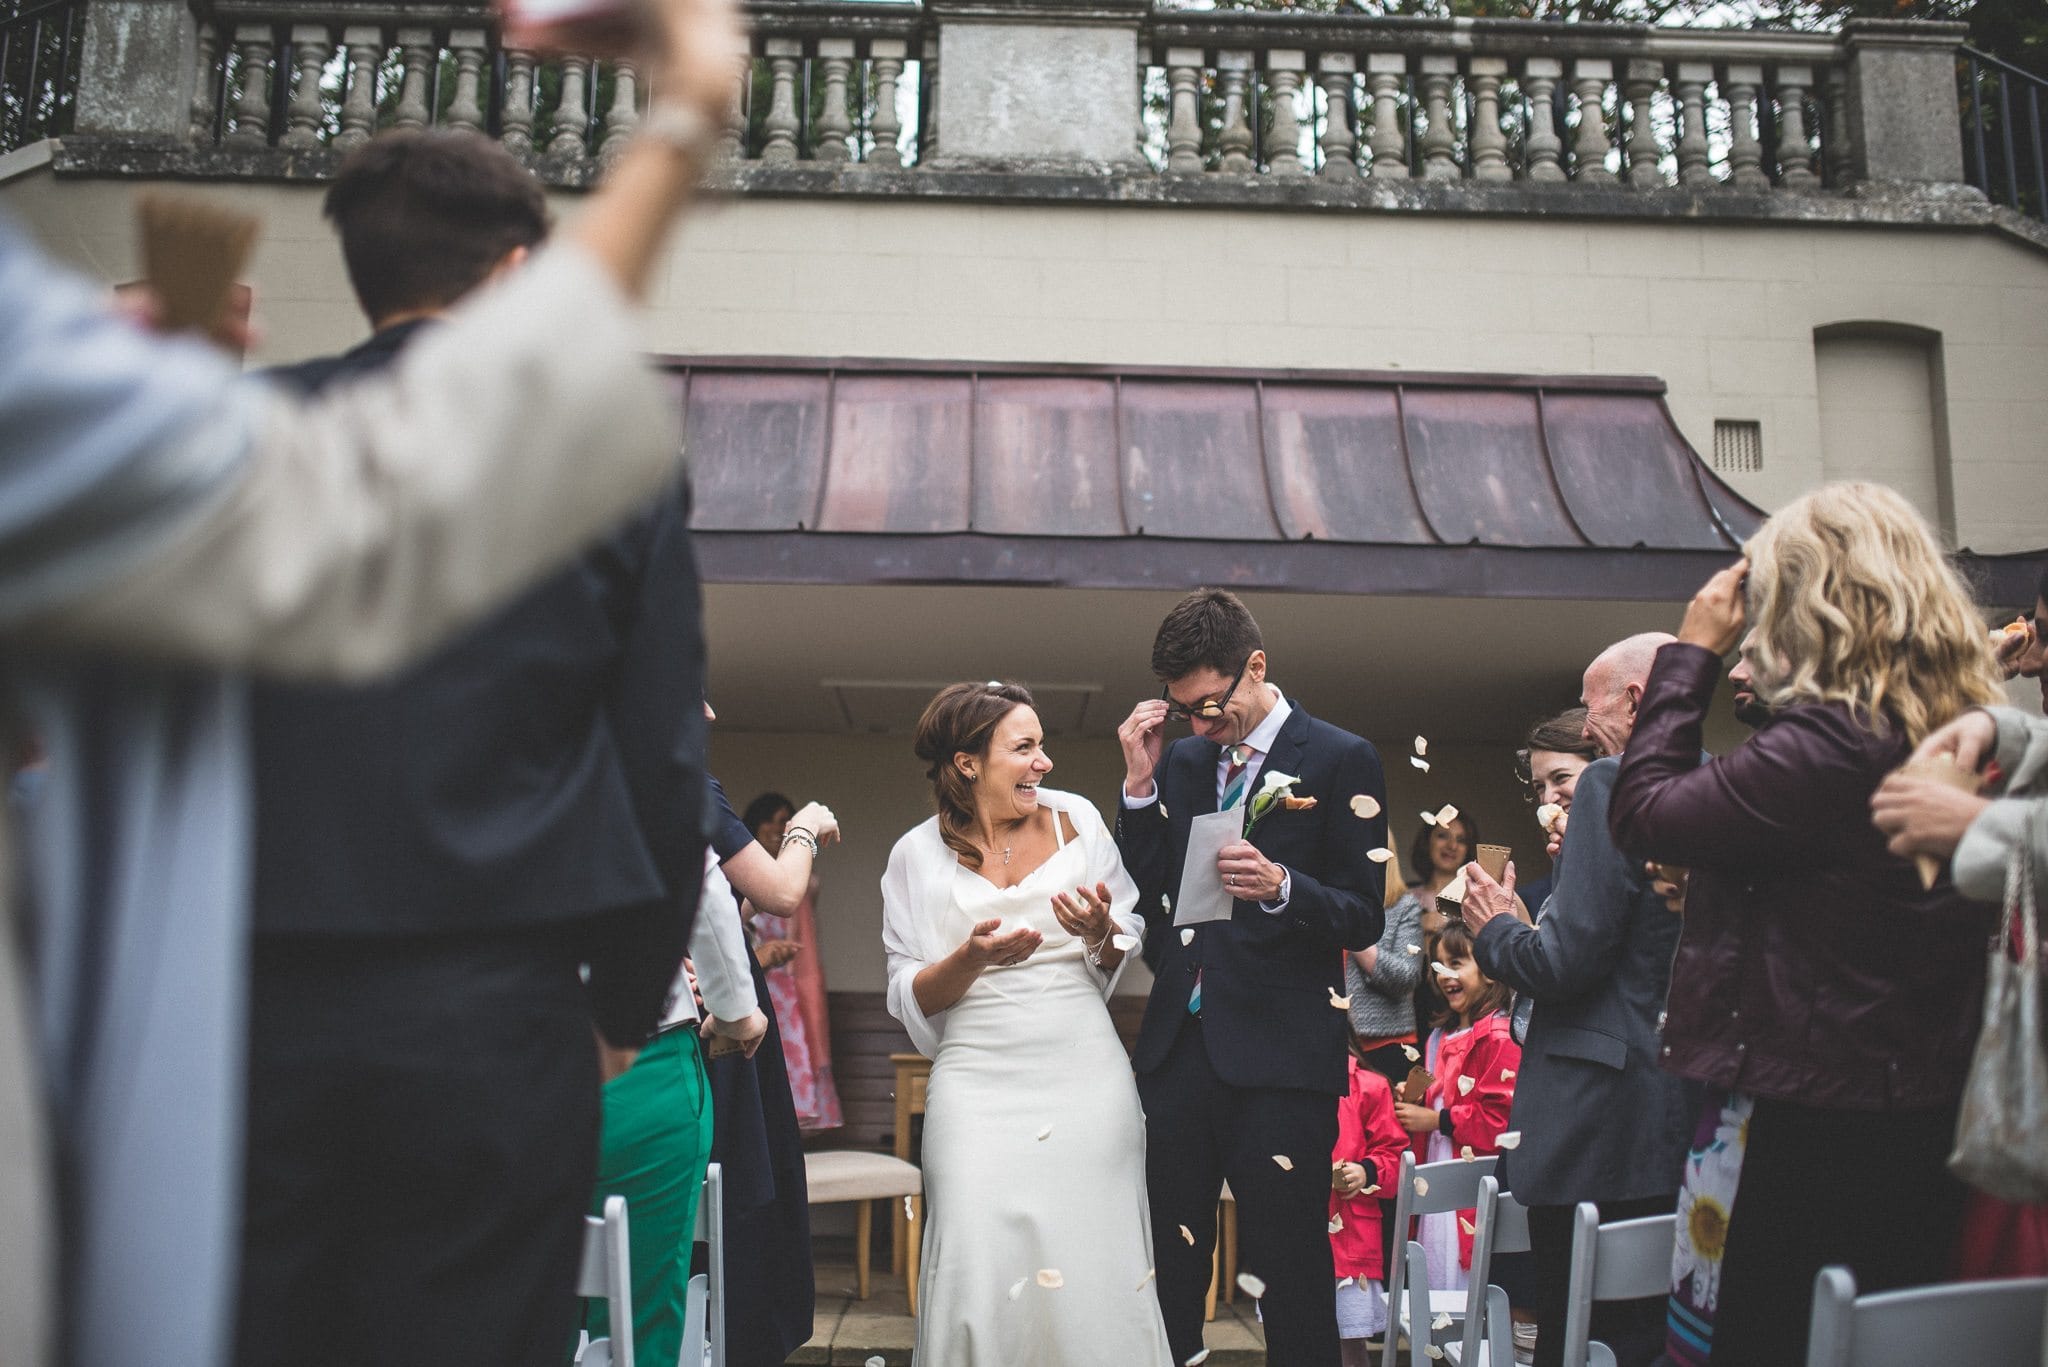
(810, 1068)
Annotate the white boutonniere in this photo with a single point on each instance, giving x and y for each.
(1276, 792)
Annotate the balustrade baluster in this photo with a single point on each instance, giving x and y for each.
(1439, 134)
(1285, 67)
(1184, 126)
(1384, 72)
(1543, 150)
(623, 116)
(1590, 78)
(465, 108)
(1234, 70)
(1645, 152)
(1339, 70)
(1745, 153)
(1834, 145)
(1795, 158)
(1489, 141)
(311, 46)
(416, 50)
(364, 46)
(206, 90)
(928, 107)
(835, 59)
(572, 120)
(785, 63)
(517, 118)
(1694, 165)
(252, 109)
(887, 56)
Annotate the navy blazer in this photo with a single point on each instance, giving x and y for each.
(1266, 977)
(545, 766)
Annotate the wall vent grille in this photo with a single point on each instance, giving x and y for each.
(1738, 446)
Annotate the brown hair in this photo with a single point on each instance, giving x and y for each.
(1209, 628)
(962, 720)
(424, 216)
(1420, 868)
(1455, 941)
(1563, 734)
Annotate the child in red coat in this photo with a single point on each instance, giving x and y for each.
(1365, 1163)
(1474, 1061)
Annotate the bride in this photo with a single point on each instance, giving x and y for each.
(1006, 918)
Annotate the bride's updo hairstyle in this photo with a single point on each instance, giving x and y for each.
(962, 720)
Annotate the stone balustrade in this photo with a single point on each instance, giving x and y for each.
(1344, 97)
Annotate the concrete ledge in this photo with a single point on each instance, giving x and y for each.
(1945, 207)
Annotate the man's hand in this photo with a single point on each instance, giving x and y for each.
(1415, 1119)
(1248, 875)
(747, 1033)
(1143, 737)
(1922, 816)
(2013, 645)
(1714, 618)
(1969, 741)
(1486, 899)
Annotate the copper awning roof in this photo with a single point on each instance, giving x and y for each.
(1354, 482)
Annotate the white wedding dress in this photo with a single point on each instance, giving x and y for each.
(1037, 1247)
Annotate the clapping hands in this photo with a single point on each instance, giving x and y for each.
(1084, 914)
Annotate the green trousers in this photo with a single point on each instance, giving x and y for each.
(656, 1144)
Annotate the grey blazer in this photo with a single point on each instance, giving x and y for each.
(1599, 1119)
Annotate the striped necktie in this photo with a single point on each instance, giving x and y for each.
(1233, 795)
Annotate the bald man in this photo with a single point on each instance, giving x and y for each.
(1600, 1121)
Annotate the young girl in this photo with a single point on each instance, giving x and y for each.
(1365, 1164)
(1474, 1061)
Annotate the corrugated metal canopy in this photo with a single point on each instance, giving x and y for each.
(1370, 482)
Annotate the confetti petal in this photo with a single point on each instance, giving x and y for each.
(1466, 1225)
(1432, 1351)
(1336, 1223)
(1188, 1235)
(1507, 1075)
(1379, 856)
(1419, 762)
(1198, 1359)
(1045, 1133)
(1050, 1278)
(1465, 1085)
(1547, 815)
(1512, 1139)
(1251, 1285)
(1413, 1055)
(1126, 943)
(1422, 1186)
(1146, 1280)
(1162, 811)
(1446, 814)
(1341, 1003)
(876, 1361)
(1370, 1190)
(1422, 745)
(1187, 935)
(1364, 1283)
(1017, 1287)
(910, 1208)
(1414, 949)
(1442, 1321)
(1465, 1152)
(1285, 1163)
(1365, 806)
(1441, 971)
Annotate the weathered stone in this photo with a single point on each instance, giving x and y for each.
(1039, 92)
(137, 70)
(1902, 121)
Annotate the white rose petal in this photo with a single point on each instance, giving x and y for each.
(1419, 762)
(1365, 806)
(1547, 815)
(1162, 812)
(1017, 1287)
(1422, 1186)
(1422, 745)
(1188, 1235)
(1341, 1003)
(1370, 1190)
(1512, 1139)
(1414, 949)
(1467, 1154)
(1187, 935)
(876, 1361)
(1336, 1223)
(1442, 972)
(1429, 818)
(1465, 1085)
(1413, 1055)
(1284, 1163)
(1507, 1075)
(1050, 1278)
(1379, 856)
(1442, 1321)
(1446, 814)
(1251, 1285)
(1198, 1359)
(1466, 1225)
(1126, 943)
(1430, 1350)
(1045, 1133)
(1146, 1280)
(1364, 1283)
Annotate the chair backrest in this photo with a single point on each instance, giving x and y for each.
(1450, 1185)
(704, 1298)
(1963, 1322)
(607, 1272)
(1627, 1260)
(1502, 1226)
(1413, 1263)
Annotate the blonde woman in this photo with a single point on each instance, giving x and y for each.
(1828, 1003)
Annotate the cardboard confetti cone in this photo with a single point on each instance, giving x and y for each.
(1942, 769)
(192, 251)
(1494, 859)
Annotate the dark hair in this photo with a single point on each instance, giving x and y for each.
(1455, 941)
(1418, 848)
(961, 720)
(1563, 734)
(762, 810)
(425, 215)
(1207, 629)
(2041, 587)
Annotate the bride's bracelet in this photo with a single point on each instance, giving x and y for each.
(1094, 951)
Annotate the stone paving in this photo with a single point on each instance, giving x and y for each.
(850, 1331)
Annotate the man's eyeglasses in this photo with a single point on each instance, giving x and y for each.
(1206, 711)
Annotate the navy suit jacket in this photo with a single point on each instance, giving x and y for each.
(544, 767)
(1266, 977)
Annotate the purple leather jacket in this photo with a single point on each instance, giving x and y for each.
(1812, 967)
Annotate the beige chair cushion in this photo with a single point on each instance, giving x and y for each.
(850, 1175)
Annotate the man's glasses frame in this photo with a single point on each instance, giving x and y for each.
(1207, 711)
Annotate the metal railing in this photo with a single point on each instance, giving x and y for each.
(2004, 131)
(39, 41)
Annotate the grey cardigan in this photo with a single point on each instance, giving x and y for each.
(1383, 1001)
(1980, 860)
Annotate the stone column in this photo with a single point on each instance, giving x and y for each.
(252, 108)
(785, 63)
(1795, 156)
(1590, 76)
(1234, 72)
(1489, 141)
(417, 52)
(1694, 166)
(466, 109)
(1543, 149)
(1743, 81)
(1284, 68)
(1184, 125)
(518, 116)
(138, 66)
(1439, 136)
(311, 45)
(364, 44)
(1039, 81)
(1645, 155)
(1904, 132)
(1338, 71)
(1384, 71)
(835, 129)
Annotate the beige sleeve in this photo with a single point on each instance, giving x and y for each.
(382, 515)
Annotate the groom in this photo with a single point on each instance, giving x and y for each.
(1241, 1058)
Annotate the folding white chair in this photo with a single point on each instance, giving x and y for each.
(1962, 1322)
(1502, 1226)
(704, 1298)
(607, 1272)
(1447, 1186)
(1624, 1261)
